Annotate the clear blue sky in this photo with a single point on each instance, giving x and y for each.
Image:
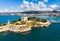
(9, 4)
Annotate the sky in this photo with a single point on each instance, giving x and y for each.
(26, 5)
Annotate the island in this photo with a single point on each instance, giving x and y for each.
(24, 24)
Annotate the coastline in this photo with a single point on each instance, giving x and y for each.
(22, 28)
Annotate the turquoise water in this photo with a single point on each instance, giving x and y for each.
(52, 33)
(4, 19)
(50, 18)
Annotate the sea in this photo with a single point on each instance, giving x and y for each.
(51, 33)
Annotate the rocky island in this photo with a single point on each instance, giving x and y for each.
(24, 24)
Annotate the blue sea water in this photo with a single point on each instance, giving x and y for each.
(52, 33)
(50, 18)
(5, 18)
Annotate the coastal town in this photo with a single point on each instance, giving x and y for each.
(24, 24)
(34, 13)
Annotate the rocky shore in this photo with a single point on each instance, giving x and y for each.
(18, 27)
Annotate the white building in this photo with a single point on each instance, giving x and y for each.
(24, 19)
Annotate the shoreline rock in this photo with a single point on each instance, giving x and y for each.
(24, 27)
